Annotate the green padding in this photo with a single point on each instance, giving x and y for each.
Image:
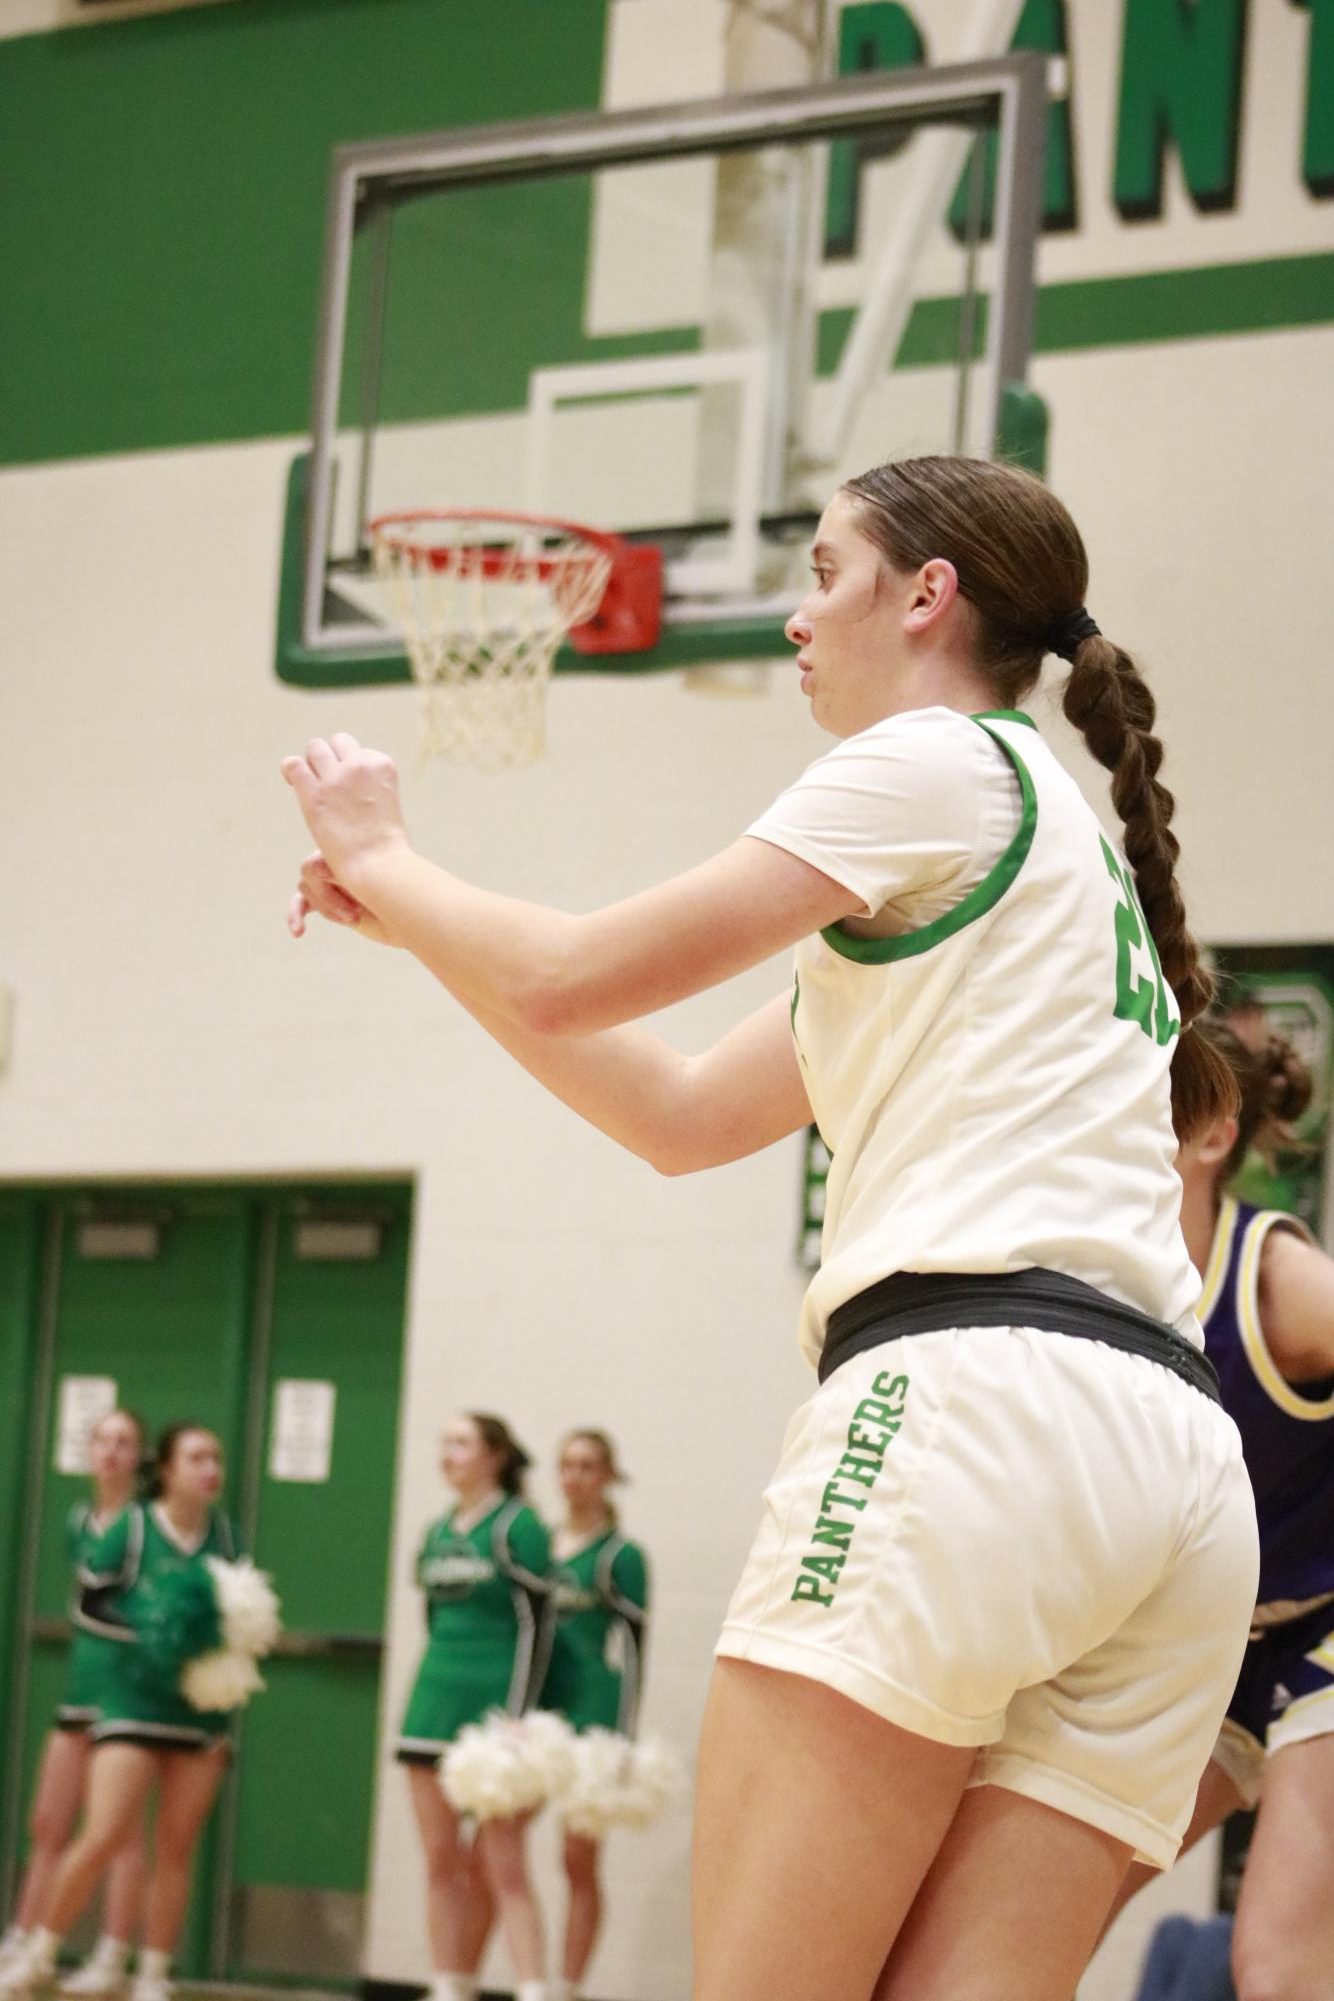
(1024, 428)
(165, 178)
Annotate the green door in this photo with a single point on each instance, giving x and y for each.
(148, 1296)
(21, 1227)
(300, 1823)
(201, 1304)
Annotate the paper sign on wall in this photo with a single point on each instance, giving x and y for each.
(82, 1402)
(301, 1435)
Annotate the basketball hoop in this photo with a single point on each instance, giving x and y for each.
(486, 598)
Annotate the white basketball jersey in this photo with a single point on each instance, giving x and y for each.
(994, 1086)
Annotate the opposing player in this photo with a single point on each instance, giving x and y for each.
(116, 1448)
(144, 1739)
(600, 1601)
(483, 1570)
(1268, 1313)
(1001, 1586)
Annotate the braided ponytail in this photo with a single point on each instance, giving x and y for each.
(1112, 707)
(1023, 570)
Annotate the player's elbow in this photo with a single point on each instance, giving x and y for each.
(548, 1002)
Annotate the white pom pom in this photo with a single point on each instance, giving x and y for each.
(591, 1800)
(656, 1775)
(549, 1750)
(247, 1605)
(618, 1784)
(220, 1680)
(506, 1765)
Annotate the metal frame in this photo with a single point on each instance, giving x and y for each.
(369, 177)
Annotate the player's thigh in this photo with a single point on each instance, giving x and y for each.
(189, 1785)
(437, 1822)
(58, 1793)
(1011, 1908)
(1284, 1931)
(120, 1778)
(815, 1822)
(1216, 1799)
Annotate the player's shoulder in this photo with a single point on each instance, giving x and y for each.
(936, 731)
(1296, 1299)
(917, 751)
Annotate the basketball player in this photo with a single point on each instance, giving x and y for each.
(1268, 1313)
(1004, 1573)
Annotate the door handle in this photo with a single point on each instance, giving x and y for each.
(291, 1646)
(329, 1646)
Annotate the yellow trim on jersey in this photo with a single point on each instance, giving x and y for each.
(1282, 1392)
(1323, 1655)
(1220, 1250)
(1301, 1707)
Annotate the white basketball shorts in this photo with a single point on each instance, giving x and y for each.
(1025, 1541)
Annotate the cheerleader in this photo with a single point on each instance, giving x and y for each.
(145, 1736)
(1268, 1314)
(600, 1604)
(116, 1447)
(482, 1569)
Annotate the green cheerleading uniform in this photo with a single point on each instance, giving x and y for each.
(486, 1589)
(123, 1574)
(90, 1651)
(600, 1606)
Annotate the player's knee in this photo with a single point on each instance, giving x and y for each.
(46, 1827)
(100, 1844)
(443, 1859)
(581, 1862)
(506, 1869)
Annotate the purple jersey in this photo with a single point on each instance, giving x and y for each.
(1287, 1433)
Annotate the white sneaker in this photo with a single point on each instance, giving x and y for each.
(96, 1980)
(147, 1987)
(27, 1973)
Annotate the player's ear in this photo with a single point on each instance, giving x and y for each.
(932, 592)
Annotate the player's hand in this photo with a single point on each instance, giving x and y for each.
(349, 798)
(318, 894)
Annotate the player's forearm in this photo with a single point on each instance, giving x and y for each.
(627, 1082)
(504, 956)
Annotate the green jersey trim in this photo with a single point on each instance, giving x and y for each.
(1003, 716)
(981, 898)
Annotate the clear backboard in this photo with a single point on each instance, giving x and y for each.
(685, 323)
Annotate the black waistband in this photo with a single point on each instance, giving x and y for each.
(911, 1302)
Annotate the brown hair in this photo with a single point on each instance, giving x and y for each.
(497, 1437)
(165, 1451)
(1273, 1084)
(131, 1417)
(1022, 568)
(143, 1459)
(601, 1442)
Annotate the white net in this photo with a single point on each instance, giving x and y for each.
(484, 601)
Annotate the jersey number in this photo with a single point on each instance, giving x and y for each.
(1139, 1000)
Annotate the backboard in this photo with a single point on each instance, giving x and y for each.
(685, 323)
